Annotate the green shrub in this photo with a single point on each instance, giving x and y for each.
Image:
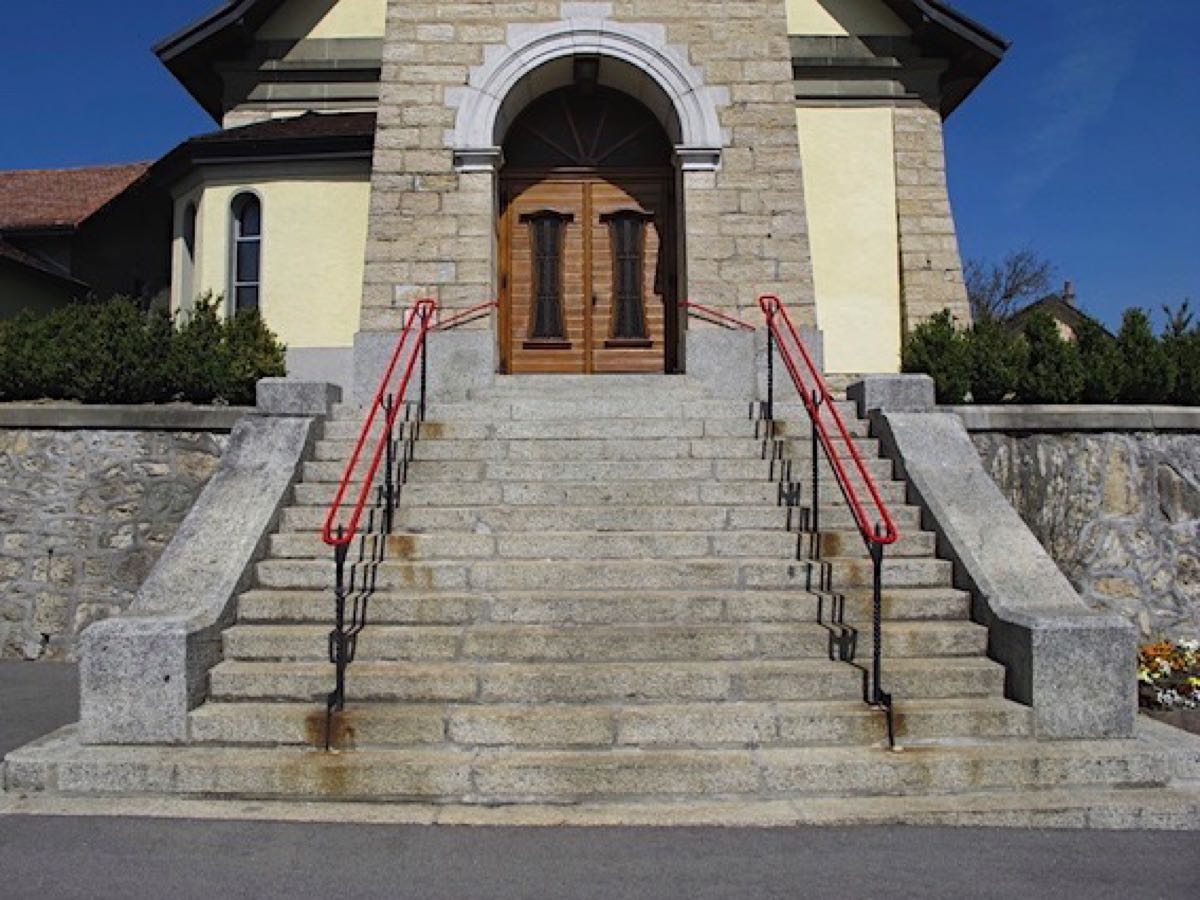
(1147, 370)
(998, 358)
(114, 352)
(1054, 372)
(1184, 352)
(938, 348)
(1102, 364)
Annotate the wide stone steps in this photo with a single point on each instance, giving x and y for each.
(633, 607)
(710, 725)
(582, 682)
(593, 643)
(596, 493)
(550, 408)
(839, 573)
(558, 450)
(621, 472)
(503, 776)
(585, 545)
(730, 424)
(617, 519)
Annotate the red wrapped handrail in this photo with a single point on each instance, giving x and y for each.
(466, 315)
(722, 318)
(883, 531)
(418, 323)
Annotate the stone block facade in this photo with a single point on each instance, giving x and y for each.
(84, 515)
(931, 271)
(433, 208)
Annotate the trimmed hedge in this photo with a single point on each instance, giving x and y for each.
(115, 352)
(990, 363)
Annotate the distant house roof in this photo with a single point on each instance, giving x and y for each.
(229, 30)
(1059, 308)
(60, 199)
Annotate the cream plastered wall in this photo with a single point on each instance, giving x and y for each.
(319, 19)
(823, 18)
(850, 187)
(314, 244)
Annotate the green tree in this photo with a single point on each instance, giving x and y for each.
(997, 360)
(1102, 363)
(939, 349)
(254, 353)
(1181, 339)
(1054, 372)
(1147, 370)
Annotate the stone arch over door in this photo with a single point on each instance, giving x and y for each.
(634, 59)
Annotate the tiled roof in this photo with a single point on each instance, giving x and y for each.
(309, 125)
(60, 198)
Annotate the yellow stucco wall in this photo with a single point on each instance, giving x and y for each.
(842, 17)
(326, 19)
(850, 187)
(314, 243)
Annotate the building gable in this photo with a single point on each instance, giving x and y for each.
(325, 20)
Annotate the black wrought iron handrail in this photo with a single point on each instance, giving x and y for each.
(852, 476)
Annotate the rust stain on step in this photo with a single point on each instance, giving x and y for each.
(402, 546)
(432, 430)
(342, 730)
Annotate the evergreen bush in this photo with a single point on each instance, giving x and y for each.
(1054, 372)
(1147, 370)
(1102, 364)
(998, 358)
(938, 349)
(114, 352)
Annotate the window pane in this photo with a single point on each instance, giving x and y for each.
(628, 275)
(247, 261)
(246, 298)
(547, 278)
(249, 218)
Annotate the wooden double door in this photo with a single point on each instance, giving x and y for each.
(587, 273)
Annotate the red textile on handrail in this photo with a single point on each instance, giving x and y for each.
(716, 314)
(419, 320)
(787, 338)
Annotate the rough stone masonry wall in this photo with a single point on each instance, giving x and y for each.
(432, 229)
(1118, 512)
(84, 515)
(931, 270)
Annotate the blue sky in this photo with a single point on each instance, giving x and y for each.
(1084, 144)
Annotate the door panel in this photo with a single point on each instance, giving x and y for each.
(586, 234)
(628, 217)
(530, 206)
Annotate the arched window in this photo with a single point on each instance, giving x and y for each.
(187, 273)
(246, 269)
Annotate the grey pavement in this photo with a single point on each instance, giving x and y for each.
(49, 858)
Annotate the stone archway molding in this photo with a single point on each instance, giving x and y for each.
(585, 30)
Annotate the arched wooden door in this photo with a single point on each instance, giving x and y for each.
(587, 239)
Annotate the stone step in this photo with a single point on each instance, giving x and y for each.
(618, 407)
(735, 724)
(627, 683)
(584, 545)
(618, 519)
(522, 386)
(505, 776)
(566, 493)
(615, 473)
(609, 607)
(610, 449)
(839, 573)
(600, 643)
(730, 425)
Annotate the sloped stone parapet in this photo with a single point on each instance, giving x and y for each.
(287, 397)
(142, 672)
(1073, 665)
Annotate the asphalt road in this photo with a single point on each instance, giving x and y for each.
(51, 858)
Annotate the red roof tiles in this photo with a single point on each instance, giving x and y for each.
(60, 198)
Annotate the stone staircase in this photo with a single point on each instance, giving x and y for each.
(592, 597)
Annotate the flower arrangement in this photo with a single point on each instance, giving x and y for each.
(1169, 675)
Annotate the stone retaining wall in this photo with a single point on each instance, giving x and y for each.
(1116, 504)
(85, 512)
